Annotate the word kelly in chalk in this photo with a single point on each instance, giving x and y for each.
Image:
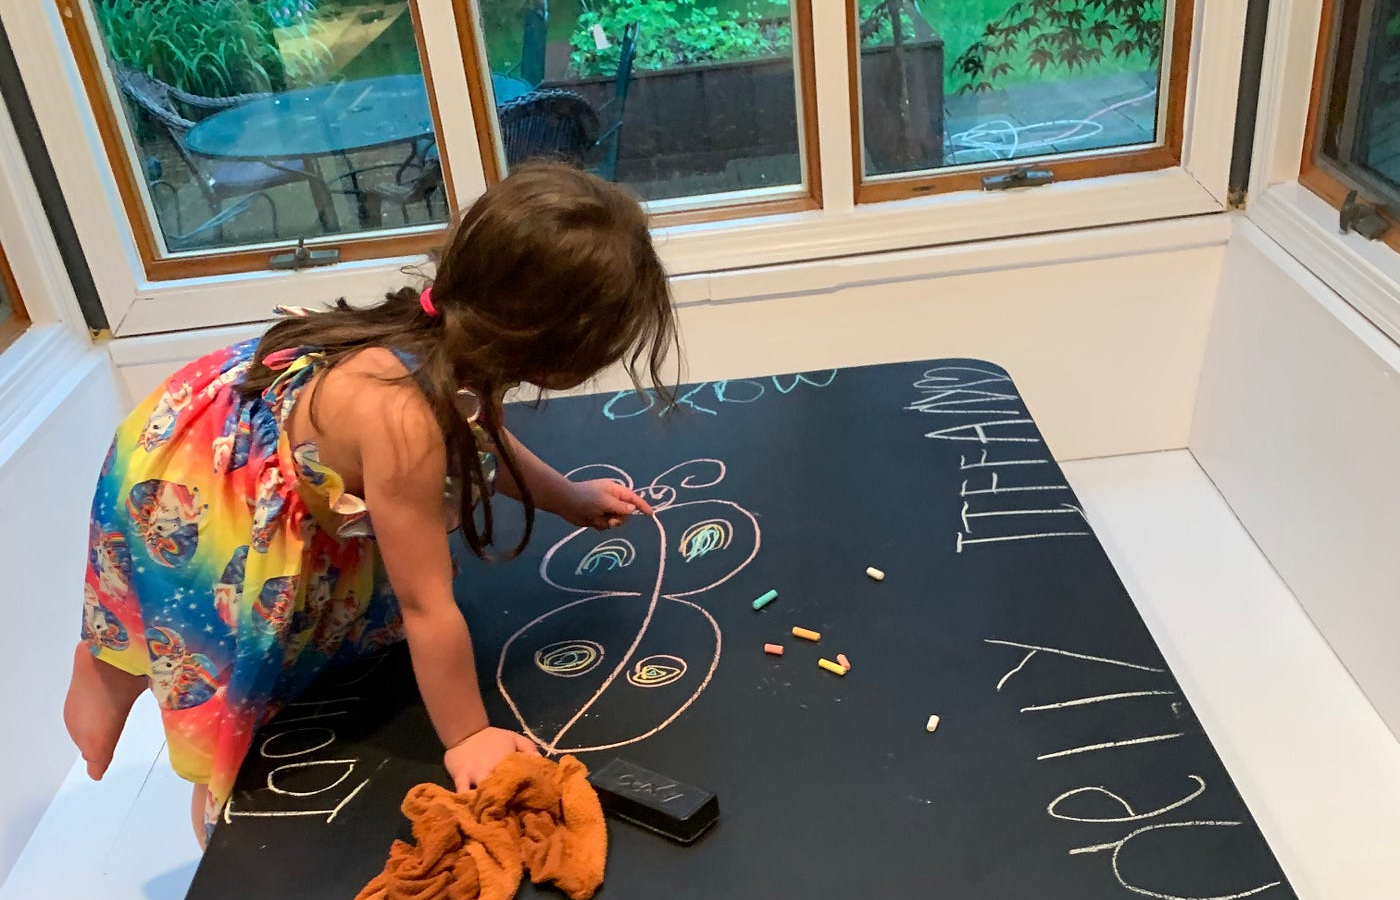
(1155, 831)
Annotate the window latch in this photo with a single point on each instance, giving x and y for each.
(302, 258)
(1019, 177)
(1365, 219)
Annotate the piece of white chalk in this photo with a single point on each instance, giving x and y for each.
(875, 573)
(932, 725)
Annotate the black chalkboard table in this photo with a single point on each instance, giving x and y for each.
(1067, 765)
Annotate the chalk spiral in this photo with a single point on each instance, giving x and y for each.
(569, 659)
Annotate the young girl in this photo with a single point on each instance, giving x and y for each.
(283, 505)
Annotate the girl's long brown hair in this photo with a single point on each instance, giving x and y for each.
(549, 278)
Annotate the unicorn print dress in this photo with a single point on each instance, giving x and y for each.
(226, 565)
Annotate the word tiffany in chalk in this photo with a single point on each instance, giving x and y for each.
(1002, 499)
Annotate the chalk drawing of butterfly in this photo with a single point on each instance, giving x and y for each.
(636, 649)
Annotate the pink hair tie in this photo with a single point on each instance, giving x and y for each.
(425, 300)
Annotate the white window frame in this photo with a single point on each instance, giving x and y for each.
(42, 359)
(1365, 273)
(136, 306)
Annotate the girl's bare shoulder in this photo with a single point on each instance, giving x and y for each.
(372, 376)
(368, 393)
(373, 393)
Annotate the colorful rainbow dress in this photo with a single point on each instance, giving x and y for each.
(225, 564)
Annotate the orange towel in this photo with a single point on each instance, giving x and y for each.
(530, 814)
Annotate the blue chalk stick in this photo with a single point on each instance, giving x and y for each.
(765, 600)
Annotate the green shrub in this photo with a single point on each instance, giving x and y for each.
(214, 48)
(1065, 35)
(691, 32)
(674, 33)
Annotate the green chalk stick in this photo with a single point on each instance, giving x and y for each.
(765, 600)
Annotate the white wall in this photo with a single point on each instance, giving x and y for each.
(1103, 330)
(1298, 423)
(48, 466)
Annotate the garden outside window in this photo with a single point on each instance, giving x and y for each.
(705, 110)
(238, 126)
(945, 89)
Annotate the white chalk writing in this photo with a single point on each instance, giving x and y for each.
(1061, 807)
(1127, 807)
(707, 396)
(303, 784)
(990, 512)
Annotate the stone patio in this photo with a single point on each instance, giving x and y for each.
(1072, 115)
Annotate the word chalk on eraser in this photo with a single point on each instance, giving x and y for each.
(875, 573)
(766, 599)
(671, 808)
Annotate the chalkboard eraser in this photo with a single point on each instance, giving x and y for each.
(671, 808)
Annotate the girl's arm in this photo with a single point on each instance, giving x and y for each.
(404, 464)
(596, 504)
(551, 490)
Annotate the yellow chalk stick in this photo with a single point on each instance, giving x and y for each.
(773, 649)
(845, 663)
(833, 668)
(806, 634)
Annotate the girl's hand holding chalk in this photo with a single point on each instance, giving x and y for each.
(602, 504)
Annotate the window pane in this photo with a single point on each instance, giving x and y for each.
(961, 82)
(702, 101)
(7, 306)
(268, 120)
(12, 317)
(1362, 133)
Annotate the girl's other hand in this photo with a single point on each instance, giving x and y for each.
(473, 759)
(602, 504)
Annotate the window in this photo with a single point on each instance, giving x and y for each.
(1353, 138)
(944, 89)
(694, 105)
(708, 109)
(12, 318)
(242, 124)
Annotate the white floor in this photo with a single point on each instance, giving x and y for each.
(1314, 761)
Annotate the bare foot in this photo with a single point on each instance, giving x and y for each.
(197, 803)
(99, 699)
